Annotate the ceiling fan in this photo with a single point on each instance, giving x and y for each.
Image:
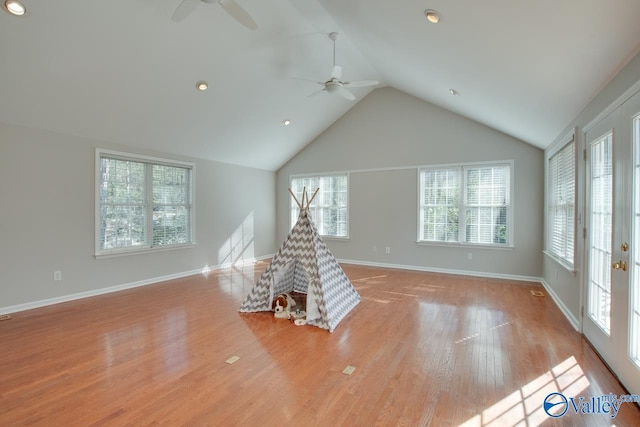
(230, 6)
(335, 84)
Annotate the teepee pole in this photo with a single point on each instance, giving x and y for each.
(296, 199)
(304, 196)
(312, 197)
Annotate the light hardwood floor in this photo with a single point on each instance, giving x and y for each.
(429, 349)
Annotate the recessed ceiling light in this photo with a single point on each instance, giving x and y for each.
(453, 92)
(286, 122)
(14, 7)
(202, 86)
(432, 16)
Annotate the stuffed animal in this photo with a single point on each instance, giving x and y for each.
(282, 305)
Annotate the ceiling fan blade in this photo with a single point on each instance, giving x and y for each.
(238, 13)
(184, 9)
(316, 93)
(308, 80)
(336, 72)
(362, 83)
(345, 93)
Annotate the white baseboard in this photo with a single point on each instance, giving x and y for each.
(563, 308)
(116, 288)
(445, 271)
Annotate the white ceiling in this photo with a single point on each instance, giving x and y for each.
(122, 71)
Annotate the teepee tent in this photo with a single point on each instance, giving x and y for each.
(305, 264)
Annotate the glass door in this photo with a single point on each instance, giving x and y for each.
(611, 319)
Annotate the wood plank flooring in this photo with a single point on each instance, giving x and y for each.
(429, 350)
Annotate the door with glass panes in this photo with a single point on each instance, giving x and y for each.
(611, 318)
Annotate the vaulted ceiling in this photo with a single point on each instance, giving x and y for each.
(122, 71)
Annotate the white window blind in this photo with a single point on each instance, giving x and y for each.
(142, 203)
(487, 200)
(440, 205)
(466, 204)
(329, 209)
(561, 204)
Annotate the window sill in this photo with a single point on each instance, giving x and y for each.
(337, 238)
(570, 268)
(465, 245)
(138, 251)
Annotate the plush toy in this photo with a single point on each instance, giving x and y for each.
(282, 305)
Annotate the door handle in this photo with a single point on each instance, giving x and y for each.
(619, 265)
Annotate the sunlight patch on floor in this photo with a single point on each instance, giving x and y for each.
(524, 406)
(236, 282)
(206, 270)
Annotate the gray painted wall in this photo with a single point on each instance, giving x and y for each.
(564, 283)
(47, 209)
(391, 129)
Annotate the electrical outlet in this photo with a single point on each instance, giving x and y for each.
(232, 360)
(375, 249)
(469, 255)
(387, 250)
(57, 275)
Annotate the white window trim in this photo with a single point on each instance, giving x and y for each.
(321, 175)
(510, 212)
(101, 253)
(550, 152)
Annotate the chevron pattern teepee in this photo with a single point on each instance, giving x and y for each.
(305, 264)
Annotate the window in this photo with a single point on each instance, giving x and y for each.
(561, 204)
(634, 345)
(329, 209)
(601, 226)
(142, 203)
(467, 204)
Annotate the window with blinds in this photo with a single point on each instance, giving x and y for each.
(329, 209)
(468, 204)
(561, 204)
(142, 203)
